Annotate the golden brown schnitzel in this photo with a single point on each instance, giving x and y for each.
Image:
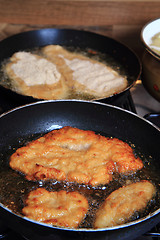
(64, 209)
(74, 155)
(121, 204)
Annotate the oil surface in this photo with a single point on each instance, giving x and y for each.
(15, 188)
(109, 61)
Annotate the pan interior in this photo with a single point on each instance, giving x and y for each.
(101, 57)
(118, 56)
(56, 114)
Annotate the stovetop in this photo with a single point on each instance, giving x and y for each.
(143, 101)
(140, 102)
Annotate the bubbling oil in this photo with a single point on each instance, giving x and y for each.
(15, 187)
(71, 93)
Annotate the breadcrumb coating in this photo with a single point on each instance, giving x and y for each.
(121, 204)
(75, 155)
(64, 209)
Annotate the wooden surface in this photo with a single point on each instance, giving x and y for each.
(85, 13)
(122, 20)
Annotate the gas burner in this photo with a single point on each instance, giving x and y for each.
(143, 101)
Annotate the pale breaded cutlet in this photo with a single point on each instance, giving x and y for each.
(56, 73)
(121, 204)
(63, 209)
(84, 74)
(75, 155)
(35, 76)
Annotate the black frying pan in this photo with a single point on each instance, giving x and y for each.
(41, 117)
(116, 52)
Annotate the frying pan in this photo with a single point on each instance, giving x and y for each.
(120, 55)
(44, 116)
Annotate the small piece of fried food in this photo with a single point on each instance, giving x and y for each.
(121, 204)
(64, 209)
(74, 155)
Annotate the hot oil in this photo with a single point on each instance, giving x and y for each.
(15, 188)
(108, 60)
(4, 79)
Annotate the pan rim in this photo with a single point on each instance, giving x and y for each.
(82, 101)
(117, 227)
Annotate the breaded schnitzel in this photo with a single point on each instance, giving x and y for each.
(74, 155)
(54, 72)
(35, 76)
(64, 209)
(84, 74)
(121, 204)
